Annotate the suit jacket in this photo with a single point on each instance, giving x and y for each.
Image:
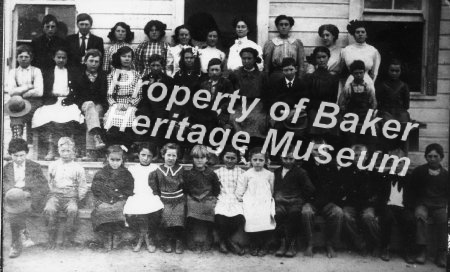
(49, 79)
(294, 186)
(291, 96)
(85, 90)
(35, 183)
(383, 189)
(43, 50)
(75, 55)
(324, 177)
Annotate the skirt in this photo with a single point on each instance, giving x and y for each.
(259, 213)
(119, 118)
(107, 213)
(256, 123)
(143, 204)
(203, 209)
(56, 113)
(174, 213)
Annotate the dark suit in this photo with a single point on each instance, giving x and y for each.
(75, 55)
(49, 79)
(43, 50)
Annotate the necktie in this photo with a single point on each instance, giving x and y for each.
(290, 85)
(83, 45)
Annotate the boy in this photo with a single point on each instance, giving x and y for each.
(68, 186)
(82, 41)
(292, 188)
(22, 179)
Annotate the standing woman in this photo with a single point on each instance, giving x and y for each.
(210, 51)
(120, 36)
(329, 34)
(155, 31)
(182, 39)
(240, 24)
(361, 51)
(283, 46)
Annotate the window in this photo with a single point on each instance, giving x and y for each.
(393, 5)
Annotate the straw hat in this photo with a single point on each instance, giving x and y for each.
(17, 106)
(17, 201)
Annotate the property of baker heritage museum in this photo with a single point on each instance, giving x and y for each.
(244, 126)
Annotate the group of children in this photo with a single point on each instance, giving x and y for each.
(170, 206)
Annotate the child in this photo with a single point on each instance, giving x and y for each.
(167, 182)
(25, 81)
(25, 177)
(210, 51)
(291, 190)
(56, 117)
(68, 186)
(120, 36)
(182, 40)
(143, 209)
(124, 94)
(111, 186)
(393, 101)
(229, 216)
(255, 189)
(202, 187)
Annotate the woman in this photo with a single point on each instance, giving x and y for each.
(329, 34)
(283, 46)
(240, 24)
(182, 39)
(120, 36)
(361, 51)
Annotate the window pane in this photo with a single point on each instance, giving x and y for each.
(66, 18)
(29, 25)
(408, 4)
(378, 4)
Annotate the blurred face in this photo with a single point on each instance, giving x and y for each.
(214, 72)
(322, 59)
(284, 27)
(200, 162)
(289, 72)
(156, 67)
(84, 27)
(316, 153)
(327, 38)
(184, 36)
(248, 61)
(241, 29)
(230, 160)
(145, 157)
(92, 63)
(212, 38)
(433, 159)
(115, 160)
(258, 161)
(358, 155)
(358, 75)
(50, 29)
(24, 59)
(154, 34)
(66, 152)
(288, 161)
(126, 60)
(360, 35)
(394, 71)
(189, 59)
(19, 157)
(60, 59)
(120, 33)
(170, 158)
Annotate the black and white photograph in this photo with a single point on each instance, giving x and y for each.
(225, 135)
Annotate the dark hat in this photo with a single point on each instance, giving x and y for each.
(300, 125)
(17, 106)
(17, 201)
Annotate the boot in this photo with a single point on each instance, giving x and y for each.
(117, 238)
(292, 251)
(441, 258)
(15, 251)
(150, 243)
(263, 251)
(52, 235)
(235, 248)
(330, 252)
(17, 131)
(408, 257)
(68, 239)
(168, 246)
(108, 241)
(253, 250)
(179, 247)
(98, 142)
(51, 149)
(385, 256)
(223, 247)
(282, 250)
(26, 240)
(138, 246)
(422, 256)
(309, 251)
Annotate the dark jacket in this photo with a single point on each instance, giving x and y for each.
(356, 188)
(383, 181)
(430, 190)
(35, 183)
(324, 177)
(112, 185)
(75, 55)
(281, 93)
(295, 185)
(85, 90)
(154, 109)
(200, 184)
(43, 50)
(49, 79)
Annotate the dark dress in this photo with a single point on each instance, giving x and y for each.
(191, 81)
(111, 188)
(393, 100)
(43, 49)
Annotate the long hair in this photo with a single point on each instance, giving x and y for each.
(130, 34)
(197, 64)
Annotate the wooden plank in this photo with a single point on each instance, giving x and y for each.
(443, 86)
(309, 10)
(131, 7)
(432, 49)
(312, 24)
(423, 142)
(445, 27)
(444, 42)
(441, 102)
(312, 38)
(444, 57)
(136, 21)
(434, 130)
(443, 71)
(342, 2)
(445, 12)
(430, 115)
(417, 158)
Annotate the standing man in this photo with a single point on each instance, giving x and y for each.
(82, 41)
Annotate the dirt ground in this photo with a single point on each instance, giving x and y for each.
(37, 259)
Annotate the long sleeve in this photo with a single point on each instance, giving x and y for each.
(110, 95)
(128, 183)
(241, 186)
(344, 99)
(307, 186)
(301, 58)
(139, 57)
(137, 93)
(269, 46)
(405, 96)
(170, 63)
(271, 182)
(34, 86)
(106, 60)
(376, 65)
(83, 185)
(153, 183)
(215, 185)
(372, 98)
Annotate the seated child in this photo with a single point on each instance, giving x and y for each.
(202, 187)
(22, 177)
(111, 186)
(255, 189)
(229, 216)
(210, 51)
(55, 117)
(143, 209)
(25, 81)
(68, 186)
(167, 183)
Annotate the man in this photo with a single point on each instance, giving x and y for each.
(82, 41)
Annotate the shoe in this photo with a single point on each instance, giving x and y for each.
(223, 247)
(98, 142)
(26, 240)
(385, 256)
(308, 252)
(263, 251)
(14, 252)
(108, 241)
(441, 258)
(330, 252)
(409, 259)
(292, 251)
(421, 258)
(116, 239)
(150, 244)
(52, 235)
(168, 247)
(282, 250)
(138, 245)
(235, 248)
(253, 251)
(179, 249)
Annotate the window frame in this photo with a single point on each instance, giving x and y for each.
(393, 10)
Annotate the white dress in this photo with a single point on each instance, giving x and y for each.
(234, 59)
(208, 53)
(227, 203)
(143, 201)
(256, 187)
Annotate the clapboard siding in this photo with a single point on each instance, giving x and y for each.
(443, 86)
(149, 7)
(440, 102)
(312, 38)
(444, 42)
(311, 24)
(309, 10)
(136, 21)
(430, 115)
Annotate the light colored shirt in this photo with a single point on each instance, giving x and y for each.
(207, 54)
(20, 79)
(68, 179)
(81, 40)
(19, 175)
(107, 60)
(284, 172)
(364, 52)
(396, 196)
(61, 82)
(289, 81)
(234, 59)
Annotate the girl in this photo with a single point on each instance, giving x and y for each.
(143, 210)
(111, 187)
(229, 216)
(120, 36)
(167, 182)
(57, 117)
(211, 51)
(202, 187)
(182, 39)
(329, 34)
(124, 94)
(255, 190)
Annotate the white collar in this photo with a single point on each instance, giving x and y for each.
(280, 41)
(241, 40)
(24, 69)
(166, 173)
(19, 166)
(80, 35)
(291, 81)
